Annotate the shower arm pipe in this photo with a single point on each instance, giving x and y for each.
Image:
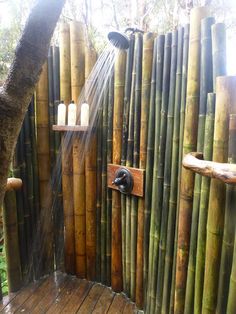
(223, 171)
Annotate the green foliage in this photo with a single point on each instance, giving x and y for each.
(3, 270)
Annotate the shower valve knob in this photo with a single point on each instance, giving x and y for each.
(123, 180)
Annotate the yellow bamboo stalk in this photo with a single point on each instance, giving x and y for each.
(116, 253)
(67, 173)
(43, 150)
(91, 179)
(77, 81)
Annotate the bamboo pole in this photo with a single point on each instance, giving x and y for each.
(109, 160)
(99, 191)
(167, 172)
(91, 179)
(206, 86)
(127, 96)
(66, 155)
(129, 163)
(159, 174)
(104, 185)
(77, 69)
(150, 212)
(58, 205)
(229, 226)
(43, 150)
(231, 305)
(11, 240)
(149, 167)
(218, 51)
(51, 110)
(189, 143)
(148, 41)
(26, 217)
(134, 199)
(203, 206)
(225, 103)
(174, 176)
(33, 143)
(181, 135)
(116, 258)
(20, 213)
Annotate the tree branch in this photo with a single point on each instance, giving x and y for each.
(222, 171)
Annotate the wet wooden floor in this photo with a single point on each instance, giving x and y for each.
(61, 293)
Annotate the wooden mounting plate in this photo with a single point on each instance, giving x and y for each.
(138, 176)
(70, 128)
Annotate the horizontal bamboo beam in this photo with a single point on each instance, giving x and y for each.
(222, 171)
(13, 184)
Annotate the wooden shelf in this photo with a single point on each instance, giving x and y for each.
(68, 128)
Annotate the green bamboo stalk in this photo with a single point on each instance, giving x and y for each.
(25, 202)
(34, 159)
(29, 173)
(231, 305)
(225, 101)
(174, 175)
(203, 206)
(149, 166)
(181, 135)
(159, 173)
(104, 185)
(109, 160)
(58, 208)
(129, 163)
(206, 86)
(20, 213)
(134, 199)
(128, 80)
(229, 226)
(51, 109)
(218, 51)
(150, 211)
(189, 144)
(166, 160)
(11, 242)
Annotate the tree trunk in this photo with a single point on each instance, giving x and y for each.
(15, 95)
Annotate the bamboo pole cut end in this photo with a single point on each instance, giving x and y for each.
(13, 184)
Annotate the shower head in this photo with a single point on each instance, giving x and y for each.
(118, 39)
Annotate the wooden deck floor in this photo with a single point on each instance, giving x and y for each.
(61, 293)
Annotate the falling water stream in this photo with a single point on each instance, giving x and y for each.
(93, 93)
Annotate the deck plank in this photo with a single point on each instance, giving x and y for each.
(63, 297)
(20, 297)
(129, 308)
(118, 304)
(61, 293)
(91, 299)
(43, 289)
(104, 301)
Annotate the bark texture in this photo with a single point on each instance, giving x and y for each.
(16, 93)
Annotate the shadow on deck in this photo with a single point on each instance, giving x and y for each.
(61, 293)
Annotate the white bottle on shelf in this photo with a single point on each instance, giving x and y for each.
(72, 113)
(84, 114)
(61, 114)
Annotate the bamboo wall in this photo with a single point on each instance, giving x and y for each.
(173, 250)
